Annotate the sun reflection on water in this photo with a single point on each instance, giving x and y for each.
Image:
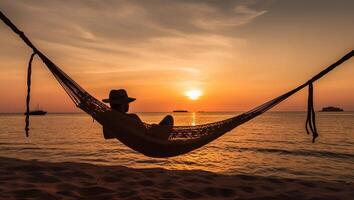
(193, 119)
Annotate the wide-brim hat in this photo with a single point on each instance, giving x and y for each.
(119, 97)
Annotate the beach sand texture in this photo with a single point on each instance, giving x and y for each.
(22, 179)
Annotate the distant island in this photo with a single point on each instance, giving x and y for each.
(332, 109)
(180, 111)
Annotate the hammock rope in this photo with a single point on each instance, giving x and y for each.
(28, 98)
(183, 139)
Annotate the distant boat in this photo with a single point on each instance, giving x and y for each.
(332, 109)
(37, 112)
(180, 111)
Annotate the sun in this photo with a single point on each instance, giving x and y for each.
(193, 94)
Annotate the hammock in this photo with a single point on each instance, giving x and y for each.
(183, 139)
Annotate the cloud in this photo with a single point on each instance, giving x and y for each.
(133, 29)
(133, 22)
(214, 19)
(190, 70)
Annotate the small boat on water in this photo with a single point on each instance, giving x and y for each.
(36, 112)
(180, 111)
(331, 109)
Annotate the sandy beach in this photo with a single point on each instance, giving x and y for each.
(22, 179)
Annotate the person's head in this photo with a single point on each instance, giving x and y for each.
(119, 100)
(120, 107)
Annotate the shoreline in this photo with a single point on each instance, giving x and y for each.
(70, 180)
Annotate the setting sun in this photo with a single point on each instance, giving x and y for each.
(193, 94)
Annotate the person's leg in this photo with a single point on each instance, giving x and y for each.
(168, 120)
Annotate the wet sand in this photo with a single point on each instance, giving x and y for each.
(20, 179)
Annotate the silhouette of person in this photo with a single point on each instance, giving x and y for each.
(119, 101)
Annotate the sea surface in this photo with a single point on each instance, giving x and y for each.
(274, 144)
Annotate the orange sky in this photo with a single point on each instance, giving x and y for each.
(238, 53)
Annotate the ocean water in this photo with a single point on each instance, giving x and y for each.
(274, 144)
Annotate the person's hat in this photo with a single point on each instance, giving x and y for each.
(119, 97)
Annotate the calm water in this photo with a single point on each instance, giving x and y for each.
(274, 144)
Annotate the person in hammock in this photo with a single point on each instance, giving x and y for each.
(119, 101)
